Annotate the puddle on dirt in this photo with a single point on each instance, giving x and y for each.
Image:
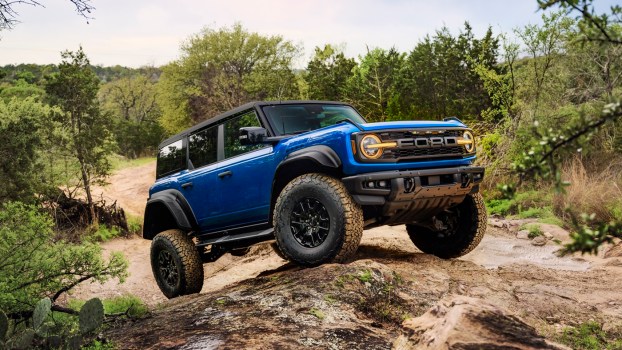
(496, 251)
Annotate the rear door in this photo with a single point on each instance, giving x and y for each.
(229, 184)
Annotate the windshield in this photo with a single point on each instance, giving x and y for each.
(296, 119)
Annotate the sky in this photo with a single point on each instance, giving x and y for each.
(136, 33)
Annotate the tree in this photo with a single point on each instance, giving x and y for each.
(439, 77)
(544, 44)
(372, 86)
(131, 103)
(74, 90)
(8, 13)
(20, 127)
(222, 69)
(327, 74)
(542, 162)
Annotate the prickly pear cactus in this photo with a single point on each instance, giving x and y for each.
(24, 340)
(42, 310)
(74, 343)
(91, 316)
(4, 327)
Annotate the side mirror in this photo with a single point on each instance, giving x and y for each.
(252, 135)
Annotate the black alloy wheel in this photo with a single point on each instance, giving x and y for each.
(168, 270)
(310, 222)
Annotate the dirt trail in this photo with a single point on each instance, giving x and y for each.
(529, 280)
(129, 187)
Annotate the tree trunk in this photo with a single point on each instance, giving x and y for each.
(87, 188)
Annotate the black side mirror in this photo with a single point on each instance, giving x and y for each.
(252, 135)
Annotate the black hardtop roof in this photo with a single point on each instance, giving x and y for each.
(238, 110)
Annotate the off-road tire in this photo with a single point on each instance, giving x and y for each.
(346, 220)
(187, 262)
(469, 231)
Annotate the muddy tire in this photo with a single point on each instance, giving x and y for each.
(176, 264)
(317, 221)
(466, 228)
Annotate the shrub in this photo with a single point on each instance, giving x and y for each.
(596, 192)
(51, 267)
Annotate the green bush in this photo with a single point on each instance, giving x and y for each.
(51, 266)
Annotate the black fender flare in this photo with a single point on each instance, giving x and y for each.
(321, 154)
(320, 158)
(176, 205)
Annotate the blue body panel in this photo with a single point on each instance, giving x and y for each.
(243, 197)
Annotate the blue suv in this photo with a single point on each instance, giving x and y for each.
(310, 175)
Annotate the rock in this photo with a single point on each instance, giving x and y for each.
(614, 251)
(539, 241)
(614, 262)
(556, 231)
(522, 234)
(460, 322)
(548, 235)
(496, 223)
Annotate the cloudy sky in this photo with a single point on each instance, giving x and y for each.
(148, 32)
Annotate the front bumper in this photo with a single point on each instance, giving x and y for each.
(413, 195)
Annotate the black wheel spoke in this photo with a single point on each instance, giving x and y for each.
(310, 222)
(168, 268)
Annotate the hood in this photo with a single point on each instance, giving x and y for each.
(408, 124)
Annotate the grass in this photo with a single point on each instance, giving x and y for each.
(119, 162)
(534, 230)
(134, 223)
(597, 192)
(317, 313)
(103, 233)
(365, 276)
(131, 304)
(590, 336)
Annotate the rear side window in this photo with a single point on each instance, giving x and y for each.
(171, 159)
(203, 147)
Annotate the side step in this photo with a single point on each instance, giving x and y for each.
(253, 235)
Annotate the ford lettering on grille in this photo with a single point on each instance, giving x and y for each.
(428, 142)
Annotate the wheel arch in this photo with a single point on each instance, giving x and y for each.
(167, 210)
(315, 159)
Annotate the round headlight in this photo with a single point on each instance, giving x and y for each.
(367, 146)
(469, 141)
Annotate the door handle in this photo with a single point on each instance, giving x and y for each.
(186, 185)
(225, 173)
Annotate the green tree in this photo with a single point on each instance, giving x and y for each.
(544, 44)
(327, 74)
(35, 265)
(21, 127)
(372, 86)
(131, 102)
(439, 77)
(74, 90)
(222, 69)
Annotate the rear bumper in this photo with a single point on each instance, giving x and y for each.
(413, 195)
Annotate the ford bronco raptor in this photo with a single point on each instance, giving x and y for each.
(310, 175)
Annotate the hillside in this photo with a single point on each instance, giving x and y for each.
(261, 301)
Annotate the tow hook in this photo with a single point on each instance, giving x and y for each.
(467, 179)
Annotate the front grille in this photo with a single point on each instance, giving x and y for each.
(408, 150)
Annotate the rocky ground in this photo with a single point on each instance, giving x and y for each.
(511, 291)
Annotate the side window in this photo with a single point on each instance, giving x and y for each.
(232, 132)
(203, 146)
(171, 158)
